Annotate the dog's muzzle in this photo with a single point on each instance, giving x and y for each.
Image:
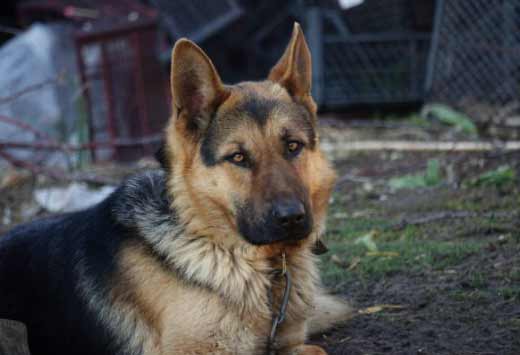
(286, 220)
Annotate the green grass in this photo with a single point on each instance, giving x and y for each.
(501, 177)
(511, 293)
(405, 250)
(483, 294)
(478, 280)
(478, 296)
(430, 177)
(514, 275)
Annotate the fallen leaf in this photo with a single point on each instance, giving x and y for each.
(355, 262)
(368, 241)
(379, 308)
(382, 253)
(502, 239)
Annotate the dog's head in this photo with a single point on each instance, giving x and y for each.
(244, 160)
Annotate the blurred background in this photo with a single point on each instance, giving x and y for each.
(419, 105)
(93, 75)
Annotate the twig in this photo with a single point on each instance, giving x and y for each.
(53, 145)
(420, 146)
(31, 88)
(33, 168)
(446, 215)
(24, 126)
(55, 173)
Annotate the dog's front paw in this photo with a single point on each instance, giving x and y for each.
(305, 350)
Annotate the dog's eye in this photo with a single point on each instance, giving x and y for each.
(294, 148)
(239, 159)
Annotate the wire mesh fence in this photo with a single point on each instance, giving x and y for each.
(197, 19)
(475, 66)
(375, 69)
(376, 52)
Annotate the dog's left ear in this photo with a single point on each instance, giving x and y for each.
(294, 70)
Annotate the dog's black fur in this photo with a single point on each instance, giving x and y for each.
(50, 268)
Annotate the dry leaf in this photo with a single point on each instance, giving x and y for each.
(355, 261)
(379, 308)
(382, 253)
(367, 240)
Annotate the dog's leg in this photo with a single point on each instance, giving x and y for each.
(328, 311)
(292, 338)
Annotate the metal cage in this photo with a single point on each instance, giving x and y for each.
(197, 19)
(476, 46)
(125, 87)
(376, 52)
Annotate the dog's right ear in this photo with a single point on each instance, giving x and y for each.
(196, 86)
(294, 69)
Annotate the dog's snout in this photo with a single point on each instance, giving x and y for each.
(289, 214)
(286, 219)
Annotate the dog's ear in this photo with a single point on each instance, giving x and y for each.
(196, 86)
(294, 70)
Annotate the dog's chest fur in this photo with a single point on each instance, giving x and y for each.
(189, 294)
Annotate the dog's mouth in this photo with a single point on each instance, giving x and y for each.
(256, 238)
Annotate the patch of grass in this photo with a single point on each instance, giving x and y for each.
(475, 296)
(500, 177)
(511, 293)
(348, 228)
(396, 252)
(477, 280)
(408, 233)
(514, 275)
(418, 120)
(451, 117)
(483, 198)
(512, 323)
(431, 177)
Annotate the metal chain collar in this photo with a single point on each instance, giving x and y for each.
(280, 316)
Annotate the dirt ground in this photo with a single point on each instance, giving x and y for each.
(431, 270)
(432, 265)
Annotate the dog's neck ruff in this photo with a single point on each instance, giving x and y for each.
(145, 206)
(240, 277)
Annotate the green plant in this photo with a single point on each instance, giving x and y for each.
(499, 177)
(449, 116)
(431, 177)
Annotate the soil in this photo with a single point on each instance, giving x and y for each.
(431, 320)
(471, 307)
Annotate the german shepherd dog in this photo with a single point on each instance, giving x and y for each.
(186, 259)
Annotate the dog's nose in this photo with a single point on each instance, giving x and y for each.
(289, 214)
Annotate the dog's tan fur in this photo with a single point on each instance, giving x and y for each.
(221, 304)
